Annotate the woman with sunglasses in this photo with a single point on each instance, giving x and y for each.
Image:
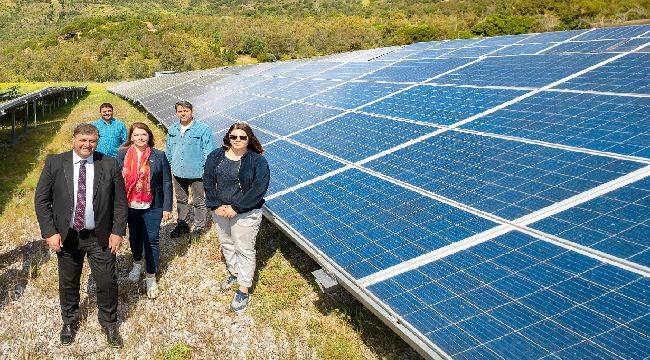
(236, 177)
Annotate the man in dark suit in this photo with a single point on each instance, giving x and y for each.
(81, 208)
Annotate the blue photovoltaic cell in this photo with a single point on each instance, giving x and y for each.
(599, 122)
(209, 96)
(415, 70)
(429, 54)
(310, 69)
(356, 136)
(240, 83)
(523, 70)
(442, 105)
(551, 37)
(270, 85)
(616, 223)
(222, 103)
(473, 51)
(634, 44)
(255, 107)
(623, 32)
(353, 94)
(282, 68)
(396, 54)
(159, 99)
(502, 40)
(628, 74)
(293, 118)
(522, 49)
(303, 88)
(587, 47)
(506, 178)
(351, 70)
(366, 224)
(188, 90)
(454, 44)
(291, 165)
(214, 121)
(517, 297)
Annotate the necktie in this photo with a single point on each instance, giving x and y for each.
(80, 210)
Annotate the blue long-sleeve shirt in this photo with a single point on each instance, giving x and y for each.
(187, 152)
(111, 136)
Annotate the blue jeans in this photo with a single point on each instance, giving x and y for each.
(144, 228)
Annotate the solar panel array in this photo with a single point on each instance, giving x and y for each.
(487, 198)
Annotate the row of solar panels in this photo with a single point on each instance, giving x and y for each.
(488, 198)
(37, 95)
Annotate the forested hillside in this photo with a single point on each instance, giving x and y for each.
(95, 40)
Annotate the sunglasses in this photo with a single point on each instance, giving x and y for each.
(241, 137)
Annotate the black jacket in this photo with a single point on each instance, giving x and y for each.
(54, 201)
(161, 178)
(253, 179)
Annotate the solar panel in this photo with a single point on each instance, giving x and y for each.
(486, 198)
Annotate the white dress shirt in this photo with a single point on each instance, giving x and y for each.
(90, 176)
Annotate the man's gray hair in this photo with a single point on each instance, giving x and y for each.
(85, 129)
(183, 103)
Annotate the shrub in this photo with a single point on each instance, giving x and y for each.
(417, 33)
(253, 46)
(503, 25)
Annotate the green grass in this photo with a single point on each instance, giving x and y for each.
(176, 352)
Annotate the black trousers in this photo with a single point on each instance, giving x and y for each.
(102, 265)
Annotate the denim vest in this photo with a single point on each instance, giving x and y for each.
(187, 153)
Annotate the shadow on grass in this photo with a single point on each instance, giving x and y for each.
(14, 281)
(373, 332)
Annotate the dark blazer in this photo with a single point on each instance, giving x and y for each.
(55, 191)
(161, 178)
(254, 178)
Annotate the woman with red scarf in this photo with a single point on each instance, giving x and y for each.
(147, 177)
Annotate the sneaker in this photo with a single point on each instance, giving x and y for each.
(228, 282)
(152, 286)
(180, 229)
(136, 272)
(239, 302)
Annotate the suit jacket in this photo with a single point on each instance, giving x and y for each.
(55, 191)
(161, 178)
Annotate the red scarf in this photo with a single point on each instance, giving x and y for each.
(137, 180)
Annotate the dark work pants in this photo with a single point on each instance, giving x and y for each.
(182, 188)
(102, 266)
(144, 228)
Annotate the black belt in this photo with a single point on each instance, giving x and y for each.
(83, 233)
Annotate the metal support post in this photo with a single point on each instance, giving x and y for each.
(13, 126)
(26, 118)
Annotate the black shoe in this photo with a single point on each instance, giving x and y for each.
(180, 229)
(113, 337)
(68, 332)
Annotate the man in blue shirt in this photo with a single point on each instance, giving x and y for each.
(189, 142)
(112, 132)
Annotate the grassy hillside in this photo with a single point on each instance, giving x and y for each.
(287, 318)
(108, 40)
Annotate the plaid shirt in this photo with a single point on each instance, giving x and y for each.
(111, 136)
